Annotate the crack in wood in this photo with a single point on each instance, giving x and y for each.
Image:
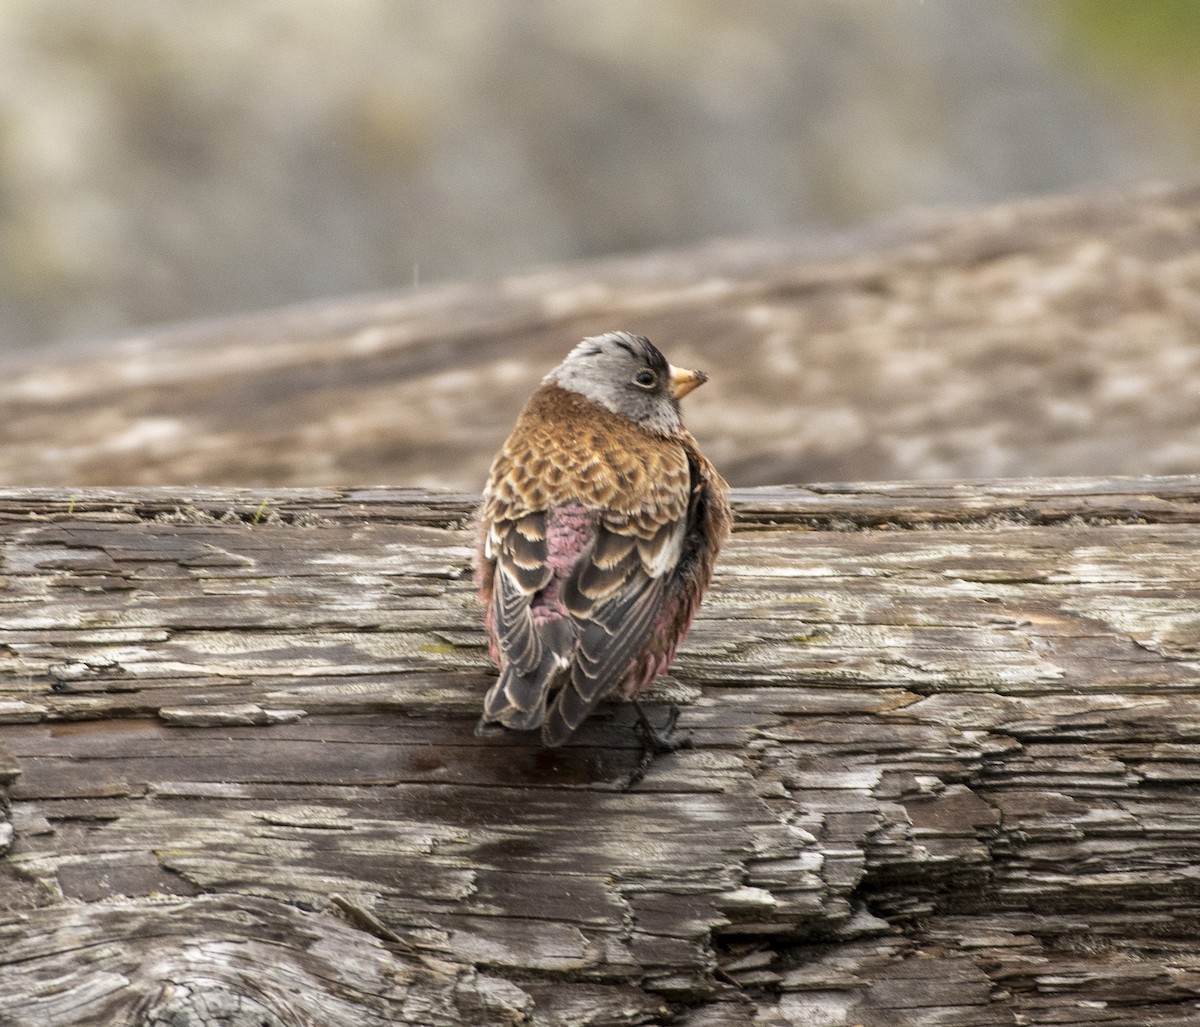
(903, 805)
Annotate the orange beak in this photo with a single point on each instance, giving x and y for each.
(683, 381)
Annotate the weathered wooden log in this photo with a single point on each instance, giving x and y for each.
(945, 771)
(1040, 337)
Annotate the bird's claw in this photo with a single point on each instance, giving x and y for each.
(656, 741)
(664, 739)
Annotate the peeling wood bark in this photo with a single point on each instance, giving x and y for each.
(947, 753)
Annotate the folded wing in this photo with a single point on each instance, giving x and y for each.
(614, 597)
(536, 649)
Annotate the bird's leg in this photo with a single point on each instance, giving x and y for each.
(661, 739)
(656, 741)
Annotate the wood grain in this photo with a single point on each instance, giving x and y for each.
(946, 761)
(1048, 336)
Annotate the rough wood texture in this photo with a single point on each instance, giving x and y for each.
(1044, 337)
(946, 765)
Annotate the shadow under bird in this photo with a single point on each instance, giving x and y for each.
(600, 524)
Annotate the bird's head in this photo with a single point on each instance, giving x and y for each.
(627, 374)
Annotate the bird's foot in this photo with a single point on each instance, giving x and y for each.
(664, 739)
(656, 741)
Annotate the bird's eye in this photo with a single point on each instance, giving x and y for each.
(645, 379)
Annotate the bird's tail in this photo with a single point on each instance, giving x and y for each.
(518, 701)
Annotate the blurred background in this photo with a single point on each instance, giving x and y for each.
(164, 160)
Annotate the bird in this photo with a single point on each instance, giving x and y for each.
(600, 524)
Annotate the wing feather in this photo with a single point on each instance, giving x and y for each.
(521, 571)
(535, 655)
(607, 646)
(616, 608)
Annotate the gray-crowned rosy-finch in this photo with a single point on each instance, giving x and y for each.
(600, 524)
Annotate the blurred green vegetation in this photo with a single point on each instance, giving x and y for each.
(1151, 48)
